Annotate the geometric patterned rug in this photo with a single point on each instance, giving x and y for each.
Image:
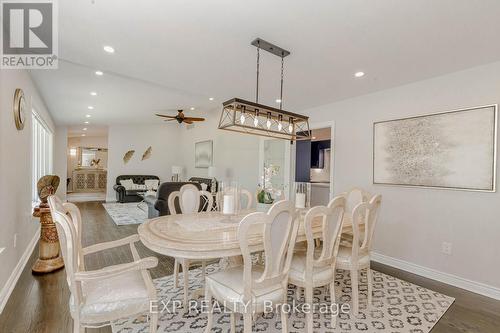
(127, 213)
(398, 306)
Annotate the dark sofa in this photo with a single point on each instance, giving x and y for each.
(123, 195)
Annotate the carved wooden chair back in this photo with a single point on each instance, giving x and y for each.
(331, 217)
(278, 227)
(365, 213)
(189, 200)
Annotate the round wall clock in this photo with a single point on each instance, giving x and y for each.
(19, 109)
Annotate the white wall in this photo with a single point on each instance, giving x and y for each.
(60, 159)
(15, 173)
(236, 155)
(167, 148)
(414, 222)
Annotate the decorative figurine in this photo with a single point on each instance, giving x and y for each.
(49, 258)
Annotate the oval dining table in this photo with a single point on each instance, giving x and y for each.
(206, 235)
(210, 235)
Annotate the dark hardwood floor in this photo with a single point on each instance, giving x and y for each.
(40, 303)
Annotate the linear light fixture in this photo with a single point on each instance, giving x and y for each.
(243, 116)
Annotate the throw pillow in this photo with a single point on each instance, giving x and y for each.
(128, 184)
(151, 184)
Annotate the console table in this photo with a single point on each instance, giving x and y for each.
(89, 180)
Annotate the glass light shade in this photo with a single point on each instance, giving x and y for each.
(302, 195)
(212, 171)
(72, 151)
(176, 170)
(229, 198)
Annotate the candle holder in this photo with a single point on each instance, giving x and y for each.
(302, 195)
(229, 198)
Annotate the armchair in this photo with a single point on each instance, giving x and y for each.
(100, 296)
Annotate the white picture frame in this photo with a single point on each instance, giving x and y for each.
(203, 154)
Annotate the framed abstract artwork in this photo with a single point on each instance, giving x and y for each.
(450, 150)
(203, 154)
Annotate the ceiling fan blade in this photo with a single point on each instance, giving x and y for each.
(165, 116)
(169, 119)
(187, 121)
(194, 119)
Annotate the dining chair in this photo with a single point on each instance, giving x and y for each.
(356, 257)
(101, 296)
(316, 267)
(245, 289)
(189, 202)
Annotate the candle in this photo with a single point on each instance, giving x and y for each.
(228, 204)
(300, 200)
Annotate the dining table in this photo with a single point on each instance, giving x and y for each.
(206, 236)
(210, 235)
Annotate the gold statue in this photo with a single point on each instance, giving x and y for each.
(49, 250)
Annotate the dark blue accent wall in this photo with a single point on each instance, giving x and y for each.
(303, 161)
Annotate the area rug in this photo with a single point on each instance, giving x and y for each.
(398, 306)
(127, 213)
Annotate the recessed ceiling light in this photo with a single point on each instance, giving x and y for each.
(314, 138)
(109, 49)
(88, 116)
(90, 107)
(83, 134)
(359, 74)
(211, 99)
(93, 93)
(278, 100)
(85, 128)
(191, 108)
(99, 73)
(86, 122)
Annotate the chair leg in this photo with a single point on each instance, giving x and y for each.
(203, 271)
(355, 291)
(298, 293)
(309, 314)
(77, 328)
(153, 322)
(210, 319)
(176, 273)
(233, 322)
(284, 317)
(185, 275)
(332, 300)
(247, 322)
(370, 285)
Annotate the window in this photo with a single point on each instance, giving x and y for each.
(41, 151)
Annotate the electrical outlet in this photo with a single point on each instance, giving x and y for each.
(15, 240)
(446, 248)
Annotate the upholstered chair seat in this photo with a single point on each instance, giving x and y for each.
(228, 285)
(123, 295)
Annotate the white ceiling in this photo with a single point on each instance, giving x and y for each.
(178, 53)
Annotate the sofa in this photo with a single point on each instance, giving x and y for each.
(123, 195)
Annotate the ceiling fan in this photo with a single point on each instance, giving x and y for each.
(181, 118)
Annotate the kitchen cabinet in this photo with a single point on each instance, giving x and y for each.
(317, 153)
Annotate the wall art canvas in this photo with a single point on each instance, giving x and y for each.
(451, 150)
(203, 154)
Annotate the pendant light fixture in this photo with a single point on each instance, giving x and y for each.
(253, 118)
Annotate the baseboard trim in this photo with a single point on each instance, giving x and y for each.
(456, 281)
(16, 273)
